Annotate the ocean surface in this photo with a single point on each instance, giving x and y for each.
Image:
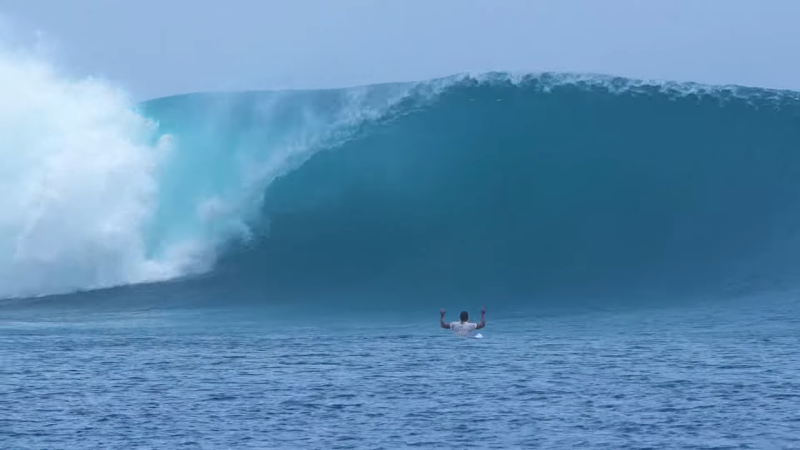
(265, 269)
(713, 375)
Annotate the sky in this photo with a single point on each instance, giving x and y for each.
(154, 48)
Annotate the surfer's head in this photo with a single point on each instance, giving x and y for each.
(464, 316)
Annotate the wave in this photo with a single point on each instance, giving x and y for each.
(494, 183)
(506, 185)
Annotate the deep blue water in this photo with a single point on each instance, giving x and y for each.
(710, 375)
(635, 244)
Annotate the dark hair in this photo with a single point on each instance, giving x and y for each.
(464, 316)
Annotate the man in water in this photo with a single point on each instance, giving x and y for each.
(465, 327)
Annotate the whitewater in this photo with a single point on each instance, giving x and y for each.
(265, 269)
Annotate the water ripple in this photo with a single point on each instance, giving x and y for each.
(709, 387)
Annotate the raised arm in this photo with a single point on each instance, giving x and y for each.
(483, 319)
(441, 321)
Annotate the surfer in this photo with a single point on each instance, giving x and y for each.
(464, 327)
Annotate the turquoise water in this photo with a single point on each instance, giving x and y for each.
(556, 186)
(495, 186)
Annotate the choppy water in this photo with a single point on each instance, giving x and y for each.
(691, 376)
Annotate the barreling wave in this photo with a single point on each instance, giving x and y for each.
(517, 185)
(495, 184)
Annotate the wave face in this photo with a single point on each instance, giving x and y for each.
(539, 185)
(491, 185)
